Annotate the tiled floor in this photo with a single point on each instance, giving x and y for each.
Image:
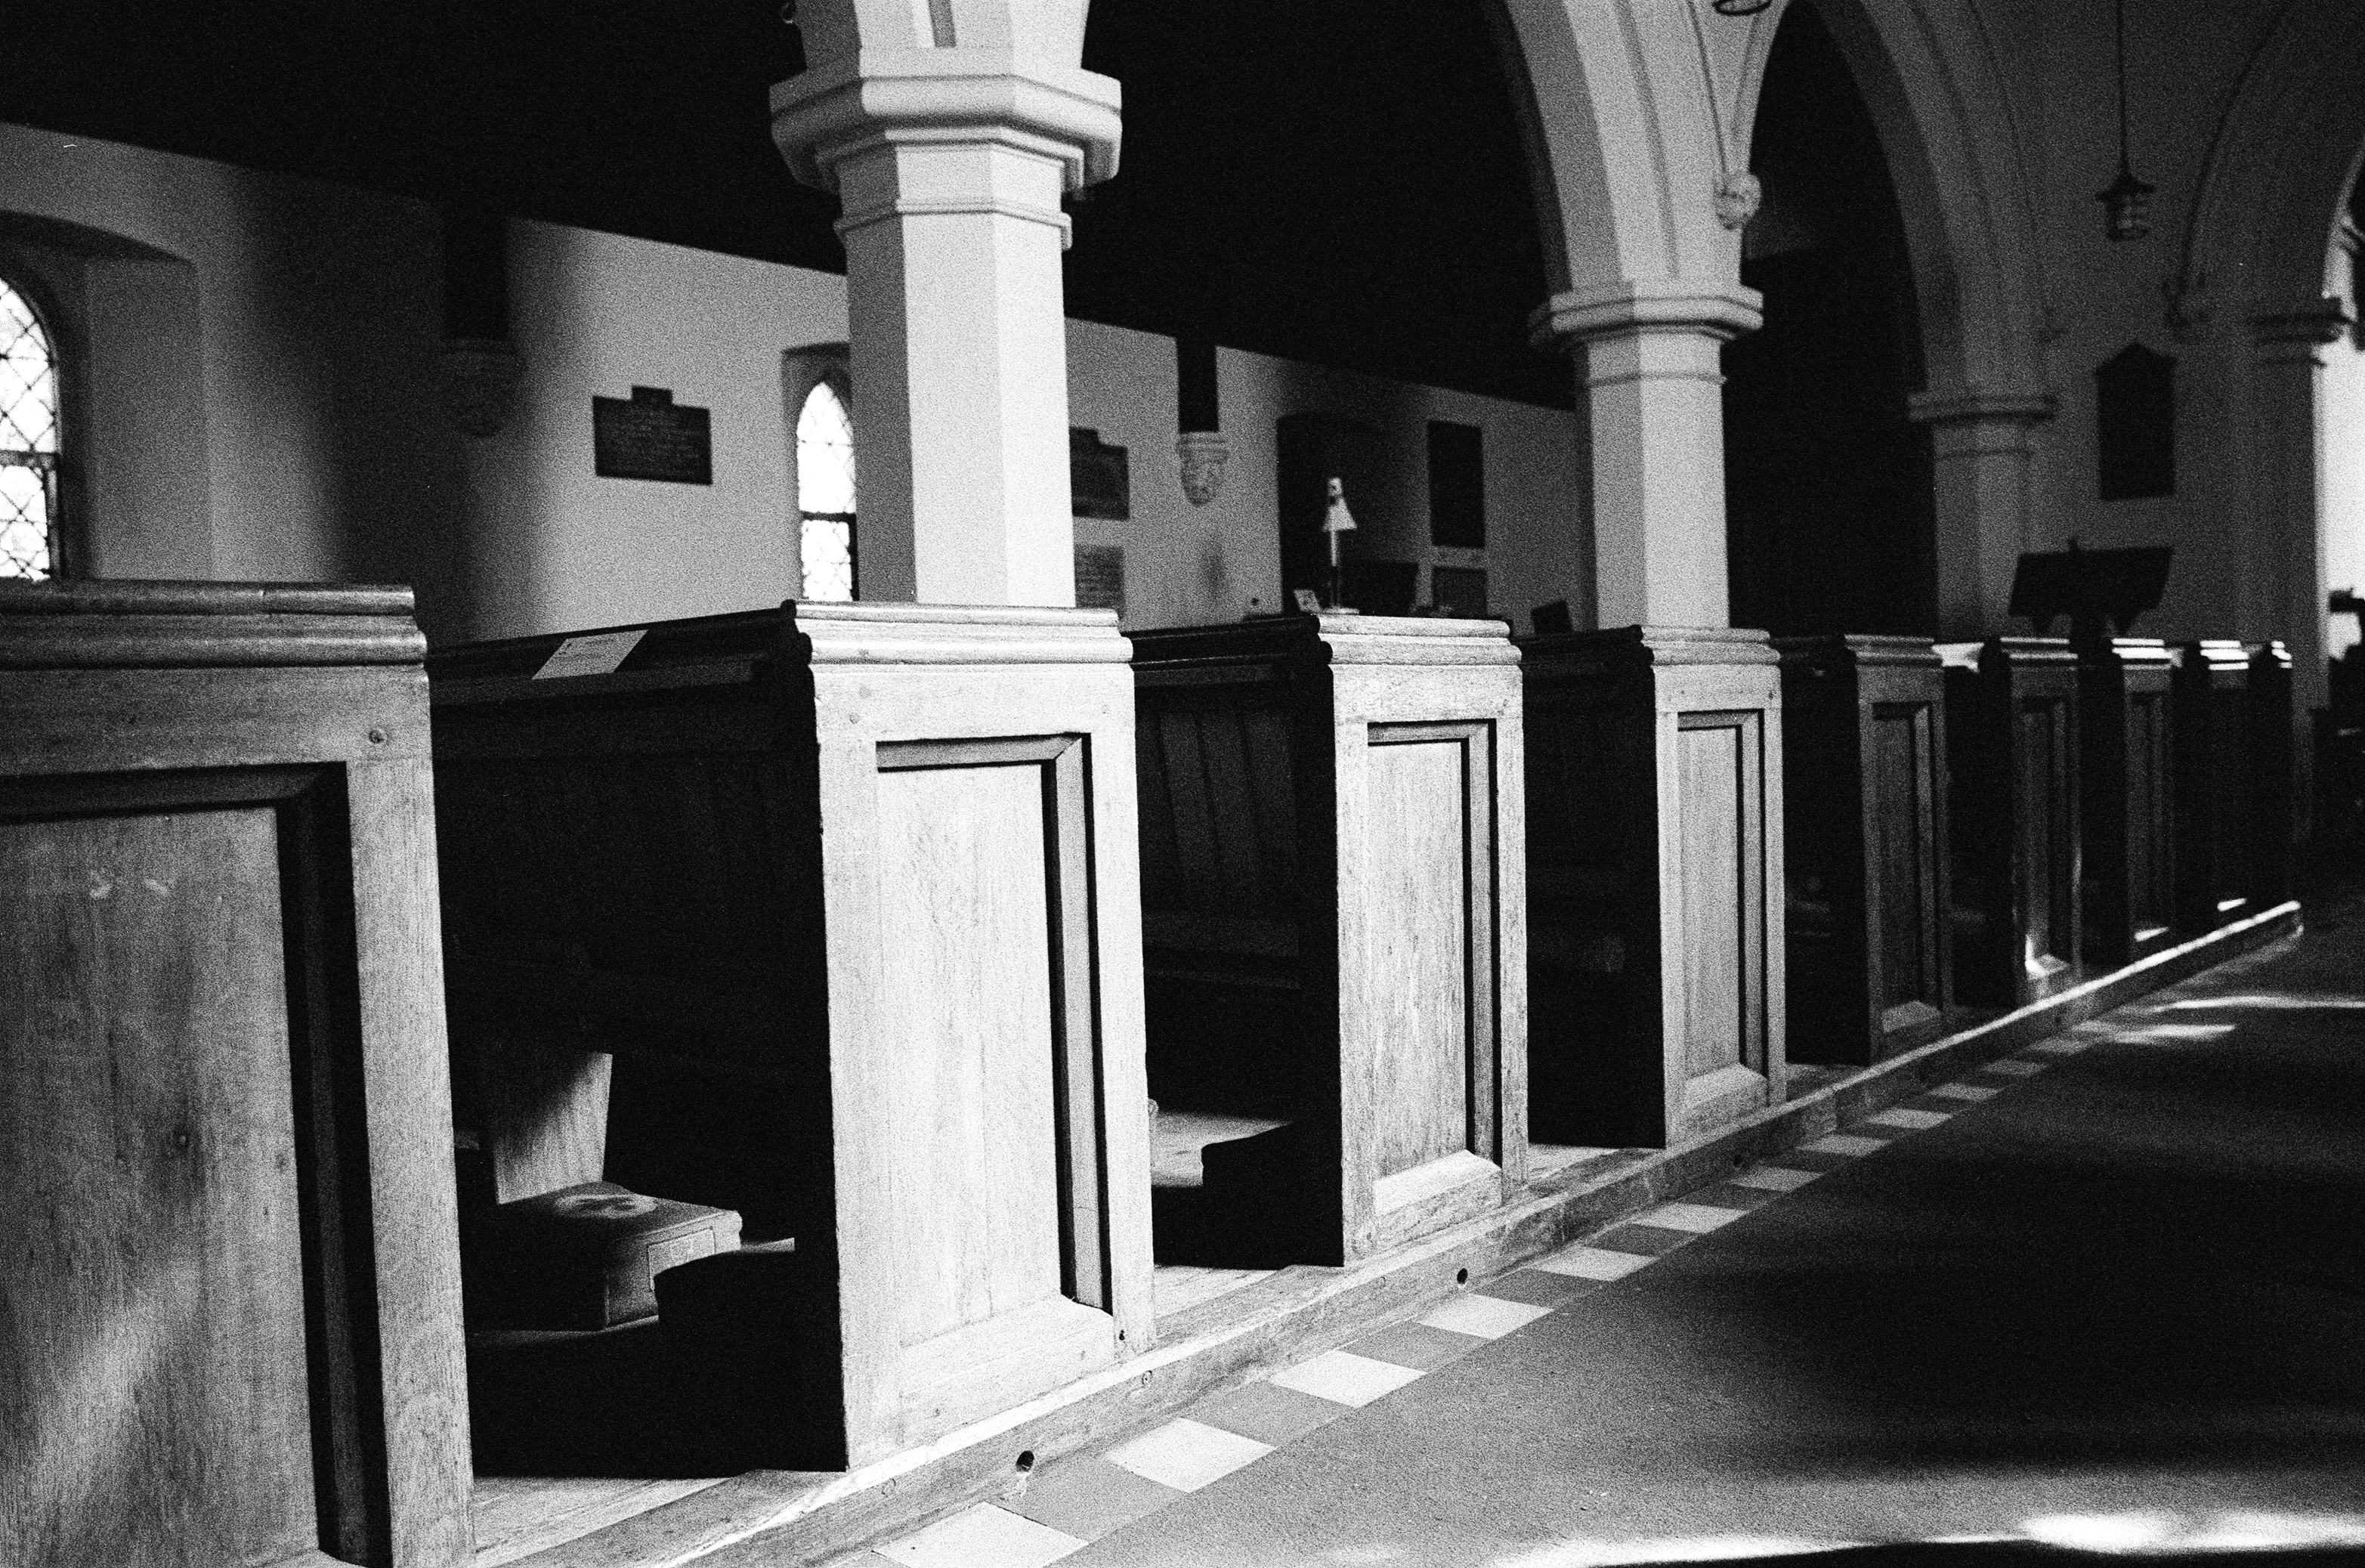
(1076, 1501)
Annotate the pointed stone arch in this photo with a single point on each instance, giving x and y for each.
(1929, 76)
(2252, 291)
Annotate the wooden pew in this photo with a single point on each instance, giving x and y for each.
(2234, 780)
(863, 878)
(1334, 915)
(2273, 740)
(230, 1313)
(2127, 769)
(1654, 864)
(1870, 959)
(2012, 750)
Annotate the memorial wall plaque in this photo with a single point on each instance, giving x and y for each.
(1101, 477)
(648, 436)
(1100, 577)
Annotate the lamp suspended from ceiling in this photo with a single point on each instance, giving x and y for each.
(2126, 201)
(1739, 7)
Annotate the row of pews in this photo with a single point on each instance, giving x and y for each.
(848, 1007)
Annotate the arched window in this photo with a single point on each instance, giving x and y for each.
(826, 493)
(28, 441)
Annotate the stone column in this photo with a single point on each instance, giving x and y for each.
(1979, 468)
(950, 165)
(2286, 443)
(1650, 383)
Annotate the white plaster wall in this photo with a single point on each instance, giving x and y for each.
(318, 311)
(1189, 564)
(2343, 472)
(329, 455)
(554, 547)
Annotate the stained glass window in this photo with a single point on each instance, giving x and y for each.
(28, 440)
(826, 493)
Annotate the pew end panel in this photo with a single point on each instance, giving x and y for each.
(1869, 958)
(1329, 803)
(2272, 750)
(2128, 766)
(2217, 790)
(2012, 744)
(1655, 871)
(857, 881)
(224, 1113)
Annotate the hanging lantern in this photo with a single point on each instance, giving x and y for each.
(1739, 7)
(2126, 205)
(2126, 201)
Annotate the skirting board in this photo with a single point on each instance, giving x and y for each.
(781, 1516)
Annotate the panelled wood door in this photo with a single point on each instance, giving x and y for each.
(2151, 820)
(1903, 849)
(1719, 907)
(996, 1202)
(2046, 812)
(174, 1112)
(1430, 1006)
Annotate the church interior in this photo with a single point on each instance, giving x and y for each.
(1012, 782)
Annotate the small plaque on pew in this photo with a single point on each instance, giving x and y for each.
(584, 1257)
(599, 654)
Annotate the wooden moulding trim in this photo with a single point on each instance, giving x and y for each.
(1640, 645)
(1864, 650)
(964, 645)
(125, 641)
(810, 614)
(2215, 654)
(2029, 650)
(1333, 639)
(2142, 652)
(134, 597)
(958, 635)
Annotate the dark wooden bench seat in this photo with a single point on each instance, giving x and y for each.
(1332, 916)
(847, 894)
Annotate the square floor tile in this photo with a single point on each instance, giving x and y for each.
(1539, 1287)
(2012, 1067)
(1345, 1377)
(1730, 1194)
(1591, 1263)
(1806, 1158)
(1971, 1091)
(1912, 1121)
(983, 1536)
(1186, 1454)
(1772, 1178)
(1483, 1316)
(1087, 1498)
(1696, 1218)
(1415, 1345)
(1650, 1240)
(1268, 1414)
(1848, 1144)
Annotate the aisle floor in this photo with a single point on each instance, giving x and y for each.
(2106, 1293)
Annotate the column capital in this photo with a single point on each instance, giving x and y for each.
(2294, 336)
(1688, 307)
(946, 96)
(1982, 406)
